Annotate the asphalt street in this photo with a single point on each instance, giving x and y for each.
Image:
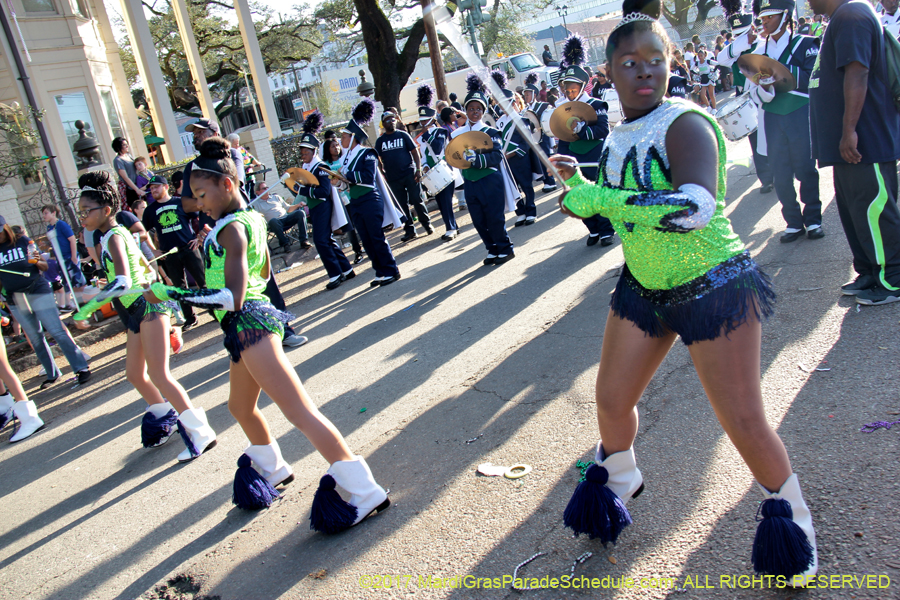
(455, 365)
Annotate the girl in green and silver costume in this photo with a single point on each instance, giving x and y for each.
(686, 273)
(237, 269)
(147, 344)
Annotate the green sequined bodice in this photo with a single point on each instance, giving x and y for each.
(255, 225)
(635, 158)
(136, 271)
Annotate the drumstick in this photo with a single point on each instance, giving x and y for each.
(573, 165)
(13, 272)
(172, 251)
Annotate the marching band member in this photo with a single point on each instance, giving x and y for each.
(370, 200)
(487, 192)
(589, 145)
(521, 161)
(325, 209)
(786, 139)
(745, 42)
(434, 141)
(531, 103)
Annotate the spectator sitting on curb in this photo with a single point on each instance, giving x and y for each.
(281, 216)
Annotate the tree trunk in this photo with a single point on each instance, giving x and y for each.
(390, 69)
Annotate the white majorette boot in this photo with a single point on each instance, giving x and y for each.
(6, 409)
(29, 421)
(330, 513)
(254, 489)
(198, 436)
(785, 542)
(158, 424)
(597, 507)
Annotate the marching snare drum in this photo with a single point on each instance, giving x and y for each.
(737, 117)
(545, 121)
(437, 178)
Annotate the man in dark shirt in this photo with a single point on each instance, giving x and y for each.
(167, 216)
(678, 86)
(547, 56)
(399, 158)
(601, 83)
(854, 129)
(454, 102)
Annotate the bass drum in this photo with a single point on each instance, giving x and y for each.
(437, 178)
(611, 97)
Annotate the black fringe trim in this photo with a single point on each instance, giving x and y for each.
(254, 322)
(141, 311)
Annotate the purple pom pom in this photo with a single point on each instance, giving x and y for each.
(424, 95)
(364, 111)
(499, 78)
(573, 51)
(313, 123)
(731, 7)
(531, 79)
(474, 83)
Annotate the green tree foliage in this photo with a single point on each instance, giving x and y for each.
(503, 34)
(282, 40)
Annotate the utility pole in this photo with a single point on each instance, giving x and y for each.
(434, 49)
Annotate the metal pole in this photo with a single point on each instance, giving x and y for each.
(434, 48)
(39, 124)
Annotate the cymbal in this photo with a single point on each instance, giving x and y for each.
(535, 125)
(566, 116)
(756, 67)
(471, 140)
(298, 176)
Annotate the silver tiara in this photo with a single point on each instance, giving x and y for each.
(88, 188)
(633, 17)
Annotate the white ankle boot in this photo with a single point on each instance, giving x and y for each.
(271, 465)
(330, 513)
(198, 436)
(29, 421)
(781, 547)
(625, 479)
(158, 424)
(6, 409)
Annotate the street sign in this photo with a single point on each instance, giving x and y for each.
(298, 103)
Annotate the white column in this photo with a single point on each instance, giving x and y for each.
(151, 75)
(179, 7)
(257, 67)
(130, 120)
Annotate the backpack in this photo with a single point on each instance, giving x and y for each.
(892, 65)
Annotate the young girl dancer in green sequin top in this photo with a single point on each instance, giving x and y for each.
(237, 261)
(662, 183)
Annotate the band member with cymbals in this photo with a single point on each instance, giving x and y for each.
(745, 42)
(589, 145)
(534, 105)
(784, 131)
(325, 209)
(521, 160)
(434, 141)
(369, 198)
(485, 186)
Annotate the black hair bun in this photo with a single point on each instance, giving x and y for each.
(95, 179)
(651, 8)
(215, 148)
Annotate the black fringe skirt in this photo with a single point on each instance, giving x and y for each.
(254, 322)
(711, 305)
(141, 311)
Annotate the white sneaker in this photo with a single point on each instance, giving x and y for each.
(294, 341)
(43, 371)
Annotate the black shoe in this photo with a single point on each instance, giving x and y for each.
(787, 238)
(358, 258)
(504, 258)
(861, 283)
(305, 245)
(428, 229)
(606, 241)
(334, 283)
(49, 382)
(529, 221)
(592, 240)
(350, 275)
(877, 295)
(190, 322)
(410, 235)
(389, 280)
(83, 376)
(766, 188)
(815, 234)
(375, 282)
(490, 259)
(520, 221)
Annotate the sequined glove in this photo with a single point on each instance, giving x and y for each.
(110, 290)
(221, 299)
(676, 211)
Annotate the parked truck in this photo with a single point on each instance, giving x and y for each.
(517, 67)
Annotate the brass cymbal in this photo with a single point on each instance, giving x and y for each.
(298, 176)
(535, 125)
(756, 67)
(566, 116)
(471, 140)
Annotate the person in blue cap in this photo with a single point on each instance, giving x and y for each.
(368, 195)
(484, 183)
(324, 205)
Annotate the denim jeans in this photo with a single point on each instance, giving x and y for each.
(279, 225)
(45, 316)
